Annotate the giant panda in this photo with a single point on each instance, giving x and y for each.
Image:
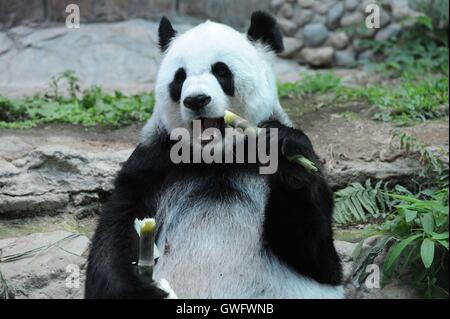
(224, 230)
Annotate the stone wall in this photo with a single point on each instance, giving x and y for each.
(318, 33)
(233, 12)
(332, 32)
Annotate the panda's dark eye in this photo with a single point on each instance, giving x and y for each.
(224, 76)
(220, 69)
(180, 76)
(177, 84)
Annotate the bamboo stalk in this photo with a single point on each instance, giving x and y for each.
(146, 260)
(236, 121)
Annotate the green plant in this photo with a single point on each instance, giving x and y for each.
(360, 203)
(408, 101)
(415, 230)
(91, 107)
(320, 83)
(411, 144)
(69, 78)
(422, 47)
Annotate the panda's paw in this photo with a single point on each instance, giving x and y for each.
(292, 143)
(165, 286)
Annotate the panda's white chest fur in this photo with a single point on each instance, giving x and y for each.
(212, 248)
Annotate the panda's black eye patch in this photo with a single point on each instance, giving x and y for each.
(224, 76)
(177, 84)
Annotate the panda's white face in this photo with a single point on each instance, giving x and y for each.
(212, 68)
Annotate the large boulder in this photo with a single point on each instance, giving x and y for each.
(44, 265)
(317, 56)
(56, 178)
(315, 34)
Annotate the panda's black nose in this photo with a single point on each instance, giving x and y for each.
(197, 102)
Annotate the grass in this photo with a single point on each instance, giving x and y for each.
(88, 108)
(320, 83)
(407, 102)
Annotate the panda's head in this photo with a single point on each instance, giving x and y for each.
(212, 68)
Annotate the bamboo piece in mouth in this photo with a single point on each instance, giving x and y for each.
(236, 121)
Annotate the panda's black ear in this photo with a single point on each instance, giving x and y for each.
(264, 28)
(165, 33)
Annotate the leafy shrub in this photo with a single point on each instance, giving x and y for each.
(90, 107)
(406, 102)
(358, 203)
(416, 232)
(415, 226)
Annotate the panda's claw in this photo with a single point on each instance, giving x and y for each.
(165, 286)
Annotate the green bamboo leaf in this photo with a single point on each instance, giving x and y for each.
(350, 208)
(440, 236)
(359, 209)
(396, 250)
(427, 221)
(427, 252)
(357, 250)
(443, 243)
(410, 215)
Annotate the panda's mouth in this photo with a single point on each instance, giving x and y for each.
(218, 124)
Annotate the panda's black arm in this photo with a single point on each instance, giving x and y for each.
(110, 273)
(298, 223)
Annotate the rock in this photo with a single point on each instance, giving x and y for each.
(399, 171)
(306, 3)
(291, 46)
(287, 11)
(358, 45)
(334, 15)
(5, 43)
(389, 32)
(365, 33)
(317, 56)
(49, 51)
(344, 57)
(314, 34)
(351, 5)
(385, 18)
(344, 249)
(401, 9)
(21, 12)
(318, 18)
(386, 4)
(38, 39)
(55, 270)
(288, 70)
(287, 27)
(352, 19)
(322, 7)
(394, 290)
(338, 40)
(303, 16)
(276, 4)
(366, 56)
(47, 180)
